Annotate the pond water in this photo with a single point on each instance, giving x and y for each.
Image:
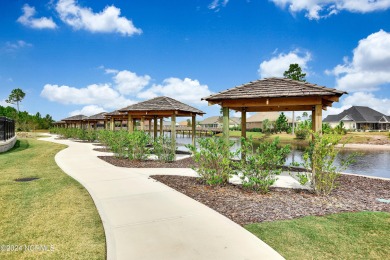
(367, 162)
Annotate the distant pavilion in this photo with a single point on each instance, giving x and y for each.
(159, 108)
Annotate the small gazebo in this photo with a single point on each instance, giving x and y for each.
(275, 94)
(95, 119)
(159, 108)
(114, 116)
(75, 121)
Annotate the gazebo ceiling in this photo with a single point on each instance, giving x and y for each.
(276, 94)
(161, 106)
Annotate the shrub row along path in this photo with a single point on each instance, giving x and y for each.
(144, 219)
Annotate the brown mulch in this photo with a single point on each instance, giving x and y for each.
(105, 150)
(243, 207)
(184, 163)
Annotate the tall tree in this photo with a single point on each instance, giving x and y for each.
(294, 72)
(16, 96)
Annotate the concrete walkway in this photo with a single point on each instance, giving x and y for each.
(144, 219)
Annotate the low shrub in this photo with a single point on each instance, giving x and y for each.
(137, 145)
(261, 166)
(301, 133)
(165, 149)
(320, 157)
(214, 159)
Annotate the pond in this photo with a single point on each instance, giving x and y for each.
(367, 162)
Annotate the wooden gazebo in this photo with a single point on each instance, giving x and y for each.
(95, 119)
(75, 121)
(114, 116)
(275, 94)
(158, 108)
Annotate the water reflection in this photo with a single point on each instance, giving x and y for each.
(368, 162)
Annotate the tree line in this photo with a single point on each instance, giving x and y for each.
(24, 121)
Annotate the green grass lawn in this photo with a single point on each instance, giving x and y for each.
(363, 235)
(53, 210)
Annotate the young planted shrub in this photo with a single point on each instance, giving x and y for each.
(165, 149)
(214, 159)
(137, 146)
(261, 166)
(118, 142)
(91, 135)
(320, 157)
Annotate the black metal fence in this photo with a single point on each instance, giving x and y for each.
(7, 128)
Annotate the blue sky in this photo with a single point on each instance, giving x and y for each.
(89, 56)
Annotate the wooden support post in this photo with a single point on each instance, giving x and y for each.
(173, 129)
(225, 123)
(243, 131)
(155, 127)
(142, 123)
(130, 122)
(112, 124)
(243, 123)
(193, 129)
(293, 123)
(150, 127)
(161, 126)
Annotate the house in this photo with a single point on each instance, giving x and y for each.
(360, 118)
(256, 121)
(216, 122)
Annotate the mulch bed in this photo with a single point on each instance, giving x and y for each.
(184, 163)
(105, 150)
(243, 207)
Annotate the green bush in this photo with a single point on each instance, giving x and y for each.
(301, 133)
(320, 157)
(258, 130)
(165, 149)
(137, 146)
(261, 166)
(214, 159)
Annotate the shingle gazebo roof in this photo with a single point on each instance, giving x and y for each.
(276, 94)
(114, 113)
(99, 116)
(75, 118)
(161, 104)
(275, 87)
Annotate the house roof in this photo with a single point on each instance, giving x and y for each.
(358, 114)
(260, 117)
(75, 118)
(162, 104)
(99, 116)
(272, 88)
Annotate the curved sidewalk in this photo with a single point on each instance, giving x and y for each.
(145, 219)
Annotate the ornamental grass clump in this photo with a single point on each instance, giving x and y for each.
(213, 157)
(320, 158)
(260, 167)
(164, 149)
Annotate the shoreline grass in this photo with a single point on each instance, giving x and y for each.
(362, 235)
(54, 210)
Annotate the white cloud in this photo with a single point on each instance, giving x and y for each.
(370, 65)
(128, 82)
(88, 111)
(276, 66)
(187, 90)
(107, 21)
(4, 103)
(14, 46)
(102, 95)
(215, 4)
(317, 9)
(37, 23)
